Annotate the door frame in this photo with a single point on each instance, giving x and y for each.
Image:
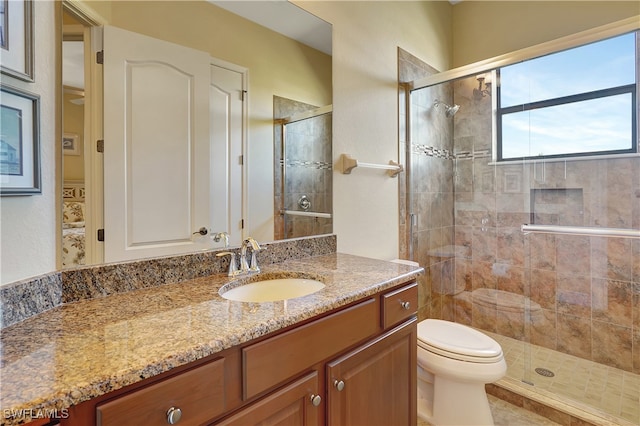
(93, 126)
(245, 136)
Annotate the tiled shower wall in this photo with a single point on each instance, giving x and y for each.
(582, 293)
(305, 170)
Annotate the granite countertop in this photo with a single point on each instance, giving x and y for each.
(85, 349)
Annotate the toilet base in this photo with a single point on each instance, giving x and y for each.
(454, 403)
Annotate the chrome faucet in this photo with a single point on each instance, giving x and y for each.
(246, 267)
(221, 236)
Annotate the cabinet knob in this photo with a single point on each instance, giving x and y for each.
(316, 400)
(405, 305)
(174, 415)
(339, 384)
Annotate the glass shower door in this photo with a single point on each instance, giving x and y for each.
(307, 174)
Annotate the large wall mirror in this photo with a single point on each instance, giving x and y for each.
(284, 92)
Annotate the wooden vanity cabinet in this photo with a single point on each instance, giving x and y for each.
(352, 366)
(375, 384)
(365, 355)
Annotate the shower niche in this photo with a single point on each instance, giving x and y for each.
(557, 206)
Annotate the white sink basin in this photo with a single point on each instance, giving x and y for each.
(271, 290)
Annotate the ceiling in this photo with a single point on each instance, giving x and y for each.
(73, 64)
(285, 18)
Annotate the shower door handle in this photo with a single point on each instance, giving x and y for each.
(413, 221)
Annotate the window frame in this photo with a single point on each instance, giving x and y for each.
(564, 100)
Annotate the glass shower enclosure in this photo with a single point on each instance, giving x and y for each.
(525, 213)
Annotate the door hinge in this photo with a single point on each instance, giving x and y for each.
(100, 234)
(241, 160)
(243, 94)
(241, 223)
(100, 145)
(100, 57)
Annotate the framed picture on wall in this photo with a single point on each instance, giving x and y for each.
(70, 144)
(19, 142)
(16, 38)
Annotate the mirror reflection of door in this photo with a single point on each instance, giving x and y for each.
(227, 86)
(172, 172)
(73, 192)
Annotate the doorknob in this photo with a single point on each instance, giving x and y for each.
(202, 231)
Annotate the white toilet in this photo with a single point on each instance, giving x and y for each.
(454, 364)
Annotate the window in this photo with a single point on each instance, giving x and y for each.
(577, 102)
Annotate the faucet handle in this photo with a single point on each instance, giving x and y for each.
(221, 236)
(233, 269)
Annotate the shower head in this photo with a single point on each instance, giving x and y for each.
(449, 110)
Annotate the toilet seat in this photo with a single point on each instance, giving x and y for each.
(458, 341)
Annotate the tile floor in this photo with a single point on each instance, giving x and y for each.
(505, 414)
(591, 385)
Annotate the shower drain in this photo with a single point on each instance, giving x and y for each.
(544, 372)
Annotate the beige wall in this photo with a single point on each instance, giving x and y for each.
(27, 223)
(365, 37)
(485, 29)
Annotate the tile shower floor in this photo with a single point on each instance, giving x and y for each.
(591, 385)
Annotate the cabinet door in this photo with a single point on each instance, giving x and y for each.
(292, 405)
(376, 383)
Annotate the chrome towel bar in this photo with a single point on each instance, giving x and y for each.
(581, 230)
(310, 214)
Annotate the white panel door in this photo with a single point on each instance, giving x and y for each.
(227, 117)
(156, 159)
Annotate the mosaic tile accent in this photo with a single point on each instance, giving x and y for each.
(308, 164)
(431, 151)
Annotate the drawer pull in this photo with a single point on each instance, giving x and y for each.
(405, 305)
(339, 384)
(174, 415)
(316, 400)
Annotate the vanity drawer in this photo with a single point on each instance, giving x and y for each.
(399, 304)
(267, 363)
(197, 393)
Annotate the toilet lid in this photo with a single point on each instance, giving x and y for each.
(457, 341)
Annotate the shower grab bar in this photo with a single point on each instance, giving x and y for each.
(309, 214)
(349, 164)
(581, 230)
